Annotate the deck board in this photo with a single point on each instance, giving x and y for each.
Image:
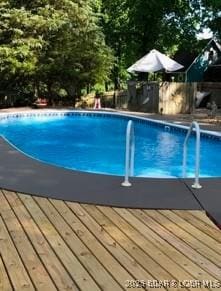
(148, 257)
(208, 229)
(207, 254)
(200, 215)
(4, 280)
(99, 251)
(16, 270)
(115, 249)
(201, 238)
(48, 244)
(76, 270)
(153, 244)
(54, 266)
(182, 242)
(93, 266)
(24, 247)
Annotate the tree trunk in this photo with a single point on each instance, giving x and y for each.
(88, 89)
(71, 90)
(50, 94)
(36, 89)
(106, 86)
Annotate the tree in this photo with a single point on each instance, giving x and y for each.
(115, 26)
(59, 42)
(133, 28)
(76, 55)
(50, 45)
(164, 25)
(211, 16)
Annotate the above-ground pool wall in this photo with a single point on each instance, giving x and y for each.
(176, 97)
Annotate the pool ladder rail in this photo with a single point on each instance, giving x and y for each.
(196, 184)
(129, 156)
(130, 150)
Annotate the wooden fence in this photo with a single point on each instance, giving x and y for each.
(141, 96)
(166, 97)
(176, 98)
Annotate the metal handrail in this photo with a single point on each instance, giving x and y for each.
(129, 154)
(196, 184)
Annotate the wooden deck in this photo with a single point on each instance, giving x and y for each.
(51, 245)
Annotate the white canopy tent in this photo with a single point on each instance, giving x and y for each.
(154, 61)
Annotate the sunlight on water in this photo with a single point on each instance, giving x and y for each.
(97, 144)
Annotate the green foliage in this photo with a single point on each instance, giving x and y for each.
(51, 43)
(132, 28)
(211, 16)
(69, 45)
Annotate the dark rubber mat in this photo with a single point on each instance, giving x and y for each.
(20, 173)
(209, 196)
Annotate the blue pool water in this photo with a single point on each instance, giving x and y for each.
(97, 144)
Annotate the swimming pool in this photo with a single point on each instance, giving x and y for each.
(95, 142)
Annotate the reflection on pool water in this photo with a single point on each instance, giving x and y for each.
(96, 143)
